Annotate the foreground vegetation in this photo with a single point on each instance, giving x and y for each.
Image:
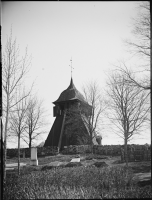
(74, 183)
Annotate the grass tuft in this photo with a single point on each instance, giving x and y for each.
(75, 183)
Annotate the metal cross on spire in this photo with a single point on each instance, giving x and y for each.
(71, 66)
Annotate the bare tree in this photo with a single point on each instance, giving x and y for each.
(35, 121)
(128, 107)
(17, 121)
(140, 46)
(141, 31)
(131, 79)
(92, 94)
(13, 72)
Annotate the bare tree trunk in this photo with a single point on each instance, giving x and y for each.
(19, 155)
(4, 161)
(92, 148)
(91, 143)
(126, 152)
(30, 145)
(5, 143)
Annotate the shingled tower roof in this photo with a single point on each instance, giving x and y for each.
(71, 93)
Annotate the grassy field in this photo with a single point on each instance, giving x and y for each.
(82, 182)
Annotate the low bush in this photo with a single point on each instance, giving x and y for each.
(75, 183)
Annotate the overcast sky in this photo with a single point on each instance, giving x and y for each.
(92, 33)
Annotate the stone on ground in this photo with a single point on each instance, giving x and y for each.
(75, 160)
(143, 178)
(9, 168)
(15, 164)
(12, 165)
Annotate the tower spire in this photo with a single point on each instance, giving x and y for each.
(71, 67)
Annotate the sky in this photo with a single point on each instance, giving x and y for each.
(91, 33)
